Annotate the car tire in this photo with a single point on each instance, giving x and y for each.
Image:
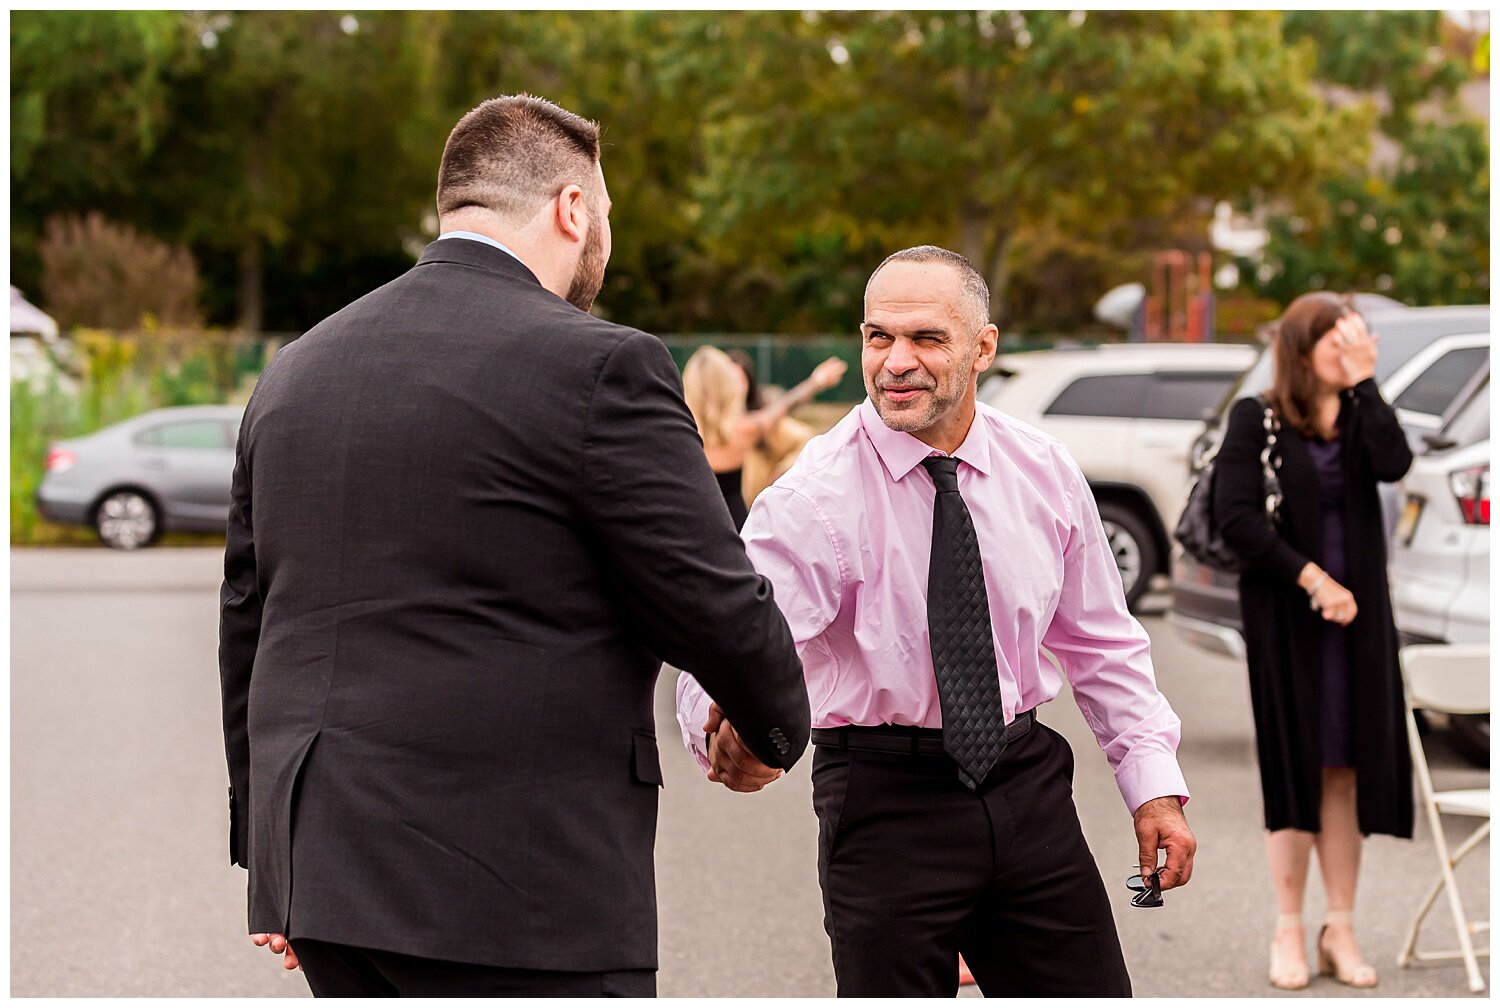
(1133, 547)
(1469, 734)
(127, 520)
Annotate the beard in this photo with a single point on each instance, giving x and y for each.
(924, 410)
(588, 278)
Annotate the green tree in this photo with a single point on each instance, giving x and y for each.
(760, 162)
(302, 139)
(300, 132)
(89, 103)
(1413, 225)
(860, 131)
(1395, 54)
(1419, 233)
(637, 74)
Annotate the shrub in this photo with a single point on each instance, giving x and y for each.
(98, 273)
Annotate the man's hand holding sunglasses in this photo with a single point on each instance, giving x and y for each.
(1161, 825)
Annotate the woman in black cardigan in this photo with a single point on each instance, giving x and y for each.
(1324, 681)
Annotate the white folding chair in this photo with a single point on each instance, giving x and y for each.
(1453, 679)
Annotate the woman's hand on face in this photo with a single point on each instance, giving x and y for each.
(1357, 348)
(1335, 602)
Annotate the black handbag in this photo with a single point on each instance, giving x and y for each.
(1197, 530)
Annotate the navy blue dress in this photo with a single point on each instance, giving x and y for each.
(1338, 683)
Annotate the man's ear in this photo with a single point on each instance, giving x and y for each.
(570, 213)
(989, 340)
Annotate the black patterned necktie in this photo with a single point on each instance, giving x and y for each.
(958, 626)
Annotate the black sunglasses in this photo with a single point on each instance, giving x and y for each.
(1147, 890)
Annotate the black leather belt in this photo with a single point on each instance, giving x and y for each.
(903, 739)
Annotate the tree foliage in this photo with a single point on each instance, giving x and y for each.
(89, 96)
(971, 128)
(761, 162)
(1419, 234)
(1395, 54)
(1415, 227)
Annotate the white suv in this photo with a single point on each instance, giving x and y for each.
(1128, 414)
(1440, 551)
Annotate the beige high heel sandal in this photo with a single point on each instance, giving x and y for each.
(1287, 973)
(1360, 974)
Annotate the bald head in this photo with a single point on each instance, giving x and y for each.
(974, 294)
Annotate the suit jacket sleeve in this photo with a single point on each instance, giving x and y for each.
(789, 542)
(1381, 438)
(661, 522)
(1239, 497)
(239, 635)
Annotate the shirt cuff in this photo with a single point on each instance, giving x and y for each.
(692, 711)
(1150, 776)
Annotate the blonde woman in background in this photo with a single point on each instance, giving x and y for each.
(776, 450)
(715, 388)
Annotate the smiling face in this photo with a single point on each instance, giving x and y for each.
(922, 354)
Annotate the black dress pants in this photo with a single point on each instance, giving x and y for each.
(334, 970)
(916, 869)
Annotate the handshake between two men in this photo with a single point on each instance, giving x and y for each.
(731, 762)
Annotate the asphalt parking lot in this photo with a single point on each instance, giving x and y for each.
(120, 884)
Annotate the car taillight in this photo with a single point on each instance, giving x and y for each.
(60, 460)
(1472, 488)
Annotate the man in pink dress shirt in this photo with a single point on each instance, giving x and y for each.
(924, 854)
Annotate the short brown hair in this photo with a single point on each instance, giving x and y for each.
(511, 154)
(1293, 385)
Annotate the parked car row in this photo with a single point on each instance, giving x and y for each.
(1434, 369)
(1127, 413)
(1133, 417)
(1440, 550)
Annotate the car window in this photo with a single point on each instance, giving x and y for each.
(1185, 395)
(1112, 395)
(1471, 424)
(1398, 345)
(1433, 390)
(200, 434)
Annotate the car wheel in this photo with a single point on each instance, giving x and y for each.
(1469, 734)
(126, 520)
(1134, 549)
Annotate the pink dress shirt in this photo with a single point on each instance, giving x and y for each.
(845, 538)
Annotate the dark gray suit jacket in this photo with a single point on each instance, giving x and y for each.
(469, 522)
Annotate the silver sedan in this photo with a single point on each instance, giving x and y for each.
(167, 470)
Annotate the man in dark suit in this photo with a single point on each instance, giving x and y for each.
(470, 521)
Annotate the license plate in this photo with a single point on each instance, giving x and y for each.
(1407, 526)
